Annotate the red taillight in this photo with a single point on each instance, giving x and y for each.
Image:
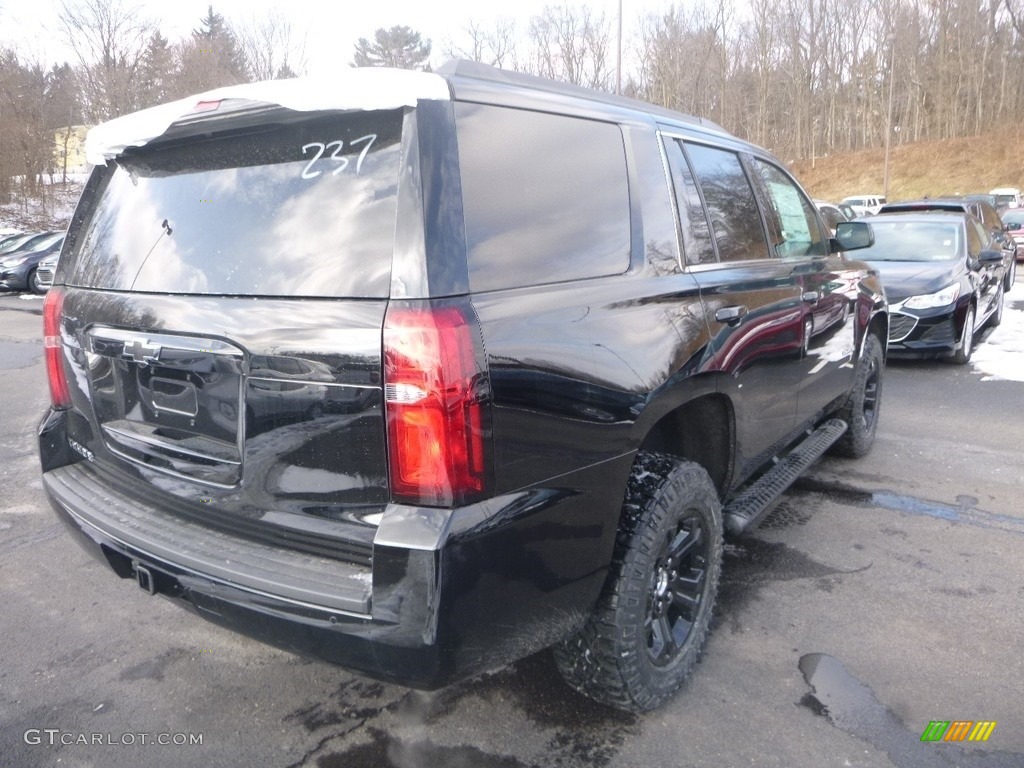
(53, 307)
(434, 405)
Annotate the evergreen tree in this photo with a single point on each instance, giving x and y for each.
(156, 73)
(399, 47)
(212, 57)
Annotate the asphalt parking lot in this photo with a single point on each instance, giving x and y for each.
(883, 594)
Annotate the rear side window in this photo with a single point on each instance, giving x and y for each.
(546, 197)
(731, 206)
(977, 236)
(305, 208)
(990, 217)
(697, 238)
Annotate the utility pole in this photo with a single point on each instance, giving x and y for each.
(888, 124)
(618, 55)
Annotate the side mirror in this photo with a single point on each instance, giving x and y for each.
(989, 256)
(1012, 226)
(853, 235)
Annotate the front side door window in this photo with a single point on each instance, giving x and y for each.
(792, 220)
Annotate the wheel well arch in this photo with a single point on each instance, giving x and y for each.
(879, 326)
(701, 430)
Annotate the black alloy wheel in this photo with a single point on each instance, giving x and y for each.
(648, 629)
(677, 589)
(860, 412)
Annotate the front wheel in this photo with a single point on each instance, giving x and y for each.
(33, 282)
(963, 355)
(996, 318)
(861, 409)
(647, 631)
(1011, 275)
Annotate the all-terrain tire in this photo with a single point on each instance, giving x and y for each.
(860, 412)
(649, 627)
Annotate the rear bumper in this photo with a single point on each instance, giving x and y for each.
(449, 593)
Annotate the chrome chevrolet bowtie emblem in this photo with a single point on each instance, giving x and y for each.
(142, 352)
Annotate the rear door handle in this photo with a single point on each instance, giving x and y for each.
(731, 315)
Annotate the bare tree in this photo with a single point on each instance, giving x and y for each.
(109, 41)
(26, 137)
(271, 47)
(495, 46)
(572, 44)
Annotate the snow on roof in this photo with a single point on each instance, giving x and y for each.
(359, 88)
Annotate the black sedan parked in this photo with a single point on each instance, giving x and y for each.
(981, 210)
(943, 276)
(18, 268)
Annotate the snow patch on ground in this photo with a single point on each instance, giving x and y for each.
(1001, 356)
(52, 209)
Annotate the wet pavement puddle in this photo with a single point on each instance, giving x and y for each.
(394, 730)
(964, 511)
(853, 707)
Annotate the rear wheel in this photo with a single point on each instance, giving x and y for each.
(963, 355)
(648, 629)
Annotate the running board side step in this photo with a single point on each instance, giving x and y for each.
(747, 510)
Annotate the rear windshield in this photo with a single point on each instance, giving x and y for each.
(301, 209)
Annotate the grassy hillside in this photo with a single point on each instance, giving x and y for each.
(930, 168)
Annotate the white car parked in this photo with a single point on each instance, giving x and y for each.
(865, 204)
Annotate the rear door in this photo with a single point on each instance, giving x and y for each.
(752, 299)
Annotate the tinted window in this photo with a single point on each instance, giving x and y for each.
(302, 209)
(990, 217)
(793, 218)
(545, 197)
(977, 237)
(698, 244)
(735, 219)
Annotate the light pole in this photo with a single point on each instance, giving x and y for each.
(891, 39)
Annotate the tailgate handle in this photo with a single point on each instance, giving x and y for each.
(731, 315)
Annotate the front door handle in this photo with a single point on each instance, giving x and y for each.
(810, 297)
(731, 315)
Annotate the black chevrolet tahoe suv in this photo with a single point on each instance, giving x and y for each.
(423, 373)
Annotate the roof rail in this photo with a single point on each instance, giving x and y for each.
(474, 70)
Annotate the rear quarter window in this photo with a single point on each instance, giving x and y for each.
(545, 197)
(303, 208)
